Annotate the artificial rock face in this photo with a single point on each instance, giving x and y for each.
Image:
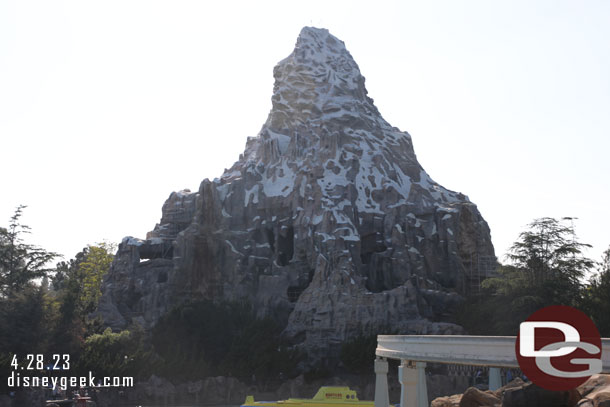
(326, 222)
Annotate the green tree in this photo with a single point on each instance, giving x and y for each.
(257, 350)
(202, 338)
(91, 270)
(22, 322)
(23, 312)
(115, 354)
(596, 301)
(20, 263)
(65, 270)
(548, 268)
(77, 285)
(23, 328)
(549, 255)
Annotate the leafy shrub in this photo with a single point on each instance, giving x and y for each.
(206, 339)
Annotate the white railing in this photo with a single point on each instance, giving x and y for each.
(459, 350)
(414, 351)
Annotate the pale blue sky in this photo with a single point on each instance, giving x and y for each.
(107, 107)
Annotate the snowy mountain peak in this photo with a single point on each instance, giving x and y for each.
(318, 77)
(325, 136)
(327, 221)
(317, 48)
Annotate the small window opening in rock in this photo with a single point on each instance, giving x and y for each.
(270, 238)
(161, 251)
(294, 292)
(371, 243)
(162, 277)
(285, 246)
(366, 257)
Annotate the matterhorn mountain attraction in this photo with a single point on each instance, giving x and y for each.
(327, 222)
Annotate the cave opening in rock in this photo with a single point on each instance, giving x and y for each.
(285, 246)
(369, 244)
(270, 238)
(162, 277)
(156, 251)
(294, 292)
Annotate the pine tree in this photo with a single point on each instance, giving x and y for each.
(548, 268)
(596, 302)
(20, 263)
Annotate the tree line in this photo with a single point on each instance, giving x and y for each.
(48, 310)
(547, 266)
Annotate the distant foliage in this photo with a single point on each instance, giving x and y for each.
(76, 289)
(358, 354)
(596, 298)
(116, 354)
(84, 274)
(41, 318)
(548, 255)
(23, 328)
(203, 338)
(23, 325)
(548, 268)
(24, 310)
(95, 265)
(20, 263)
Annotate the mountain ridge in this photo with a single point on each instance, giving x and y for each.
(327, 222)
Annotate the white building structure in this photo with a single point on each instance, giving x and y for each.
(414, 351)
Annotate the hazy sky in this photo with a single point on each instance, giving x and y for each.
(108, 106)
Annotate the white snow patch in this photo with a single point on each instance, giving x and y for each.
(233, 248)
(232, 174)
(282, 182)
(446, 209)
(398, 203)
(222, 191)
(132, 241)
(282, 140)
(325, 236)
(251, 192)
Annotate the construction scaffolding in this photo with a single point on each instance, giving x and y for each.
(477, 269)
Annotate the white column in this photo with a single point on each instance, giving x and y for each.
(413, 389)
(382, 397)
(495, 379)
(422, 388)
(407, 376)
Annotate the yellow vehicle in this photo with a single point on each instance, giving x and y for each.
(327, 396)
